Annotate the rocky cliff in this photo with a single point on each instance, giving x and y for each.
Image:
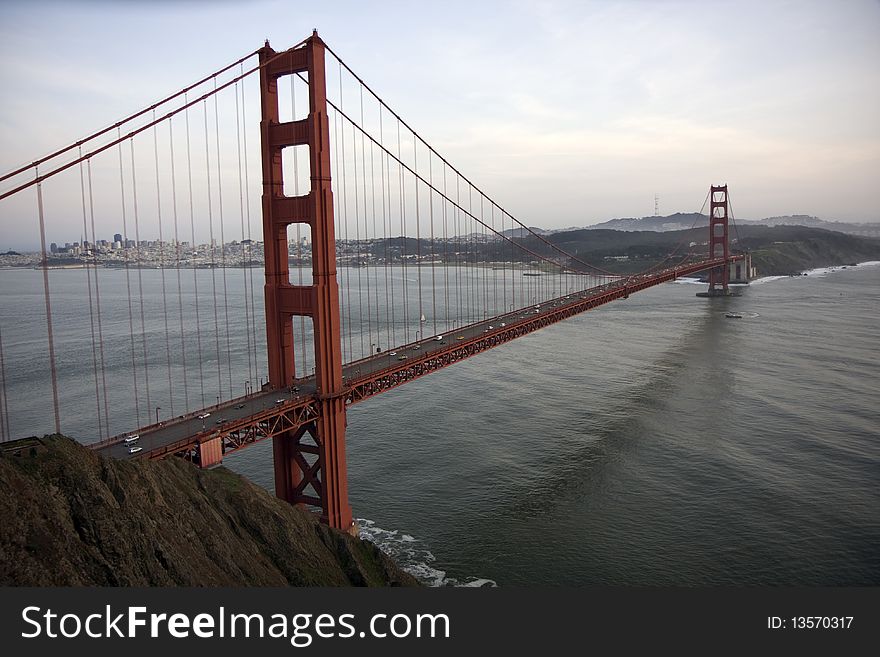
(69, 517)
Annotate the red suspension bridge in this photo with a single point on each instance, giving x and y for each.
(382, 262)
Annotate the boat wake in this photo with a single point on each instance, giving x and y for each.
(413, 556)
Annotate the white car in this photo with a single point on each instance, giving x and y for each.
(280, 401)
(202, 416)
(438, 338)
(134, 449)
(132, 437)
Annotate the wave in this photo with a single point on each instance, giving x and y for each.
(818, 272)
(413, 556)
(766, 279)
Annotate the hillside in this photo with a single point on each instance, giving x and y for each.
(776, 250)
(682, 221)
(71, 518)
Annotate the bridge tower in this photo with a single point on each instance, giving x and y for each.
(310, 464)
(719, 246)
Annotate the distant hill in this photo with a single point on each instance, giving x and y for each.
(684, 221)
(522, 232)
(677, 221)
(776, 250)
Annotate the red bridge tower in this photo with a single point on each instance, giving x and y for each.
(310, 465)
(719, 246)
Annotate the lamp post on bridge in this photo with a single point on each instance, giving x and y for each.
(158, 408)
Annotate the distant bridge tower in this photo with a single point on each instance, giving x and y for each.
(719, 246)
(310, 465)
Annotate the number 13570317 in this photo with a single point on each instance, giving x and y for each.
(809, 622)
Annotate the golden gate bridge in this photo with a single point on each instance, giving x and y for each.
(382, 263)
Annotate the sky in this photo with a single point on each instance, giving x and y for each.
(567, 113)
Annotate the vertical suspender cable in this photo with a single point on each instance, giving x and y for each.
(100, 317)
(222, 237)
(183, 362)
(82, 188)
(137, 237)
(357, 232)
(458, 262)
(373, 242)
(192, 228)
(48, 300)
(402, 191)
(344, 221)
(485, 269)
(137, 406)
(421, 329)
(389, 340)
(247, 210)
(472, 257)
(431, 253)
(244, 245)
(387, 232)
(366, 230)
(213, 247)
(445, 255)
(335, 166)
(338, 210)
(162, 270)
(494, 276)
(4, 402)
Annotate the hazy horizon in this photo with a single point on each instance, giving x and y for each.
(566, 113)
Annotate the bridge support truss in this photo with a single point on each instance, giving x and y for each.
(719, 245)
(310, 465)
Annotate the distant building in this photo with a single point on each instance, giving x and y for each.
(117, 238)
(53, 247)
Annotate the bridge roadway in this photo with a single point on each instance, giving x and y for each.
(261, 415)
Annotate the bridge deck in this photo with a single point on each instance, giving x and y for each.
(243, 421)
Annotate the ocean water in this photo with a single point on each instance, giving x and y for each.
(652, 441)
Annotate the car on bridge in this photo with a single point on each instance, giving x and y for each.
(132, 437)
(134, 449)
(280, 401)
(202, 416)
